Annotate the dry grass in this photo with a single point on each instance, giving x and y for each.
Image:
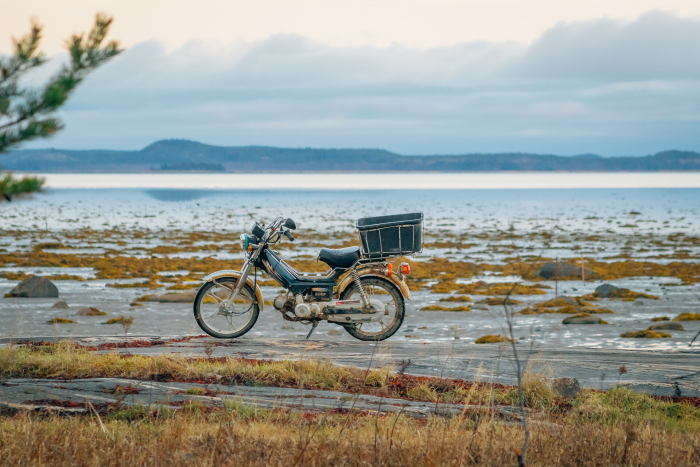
(243, 436)
(65, 360)
(617, 427)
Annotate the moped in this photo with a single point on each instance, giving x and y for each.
(360, 291)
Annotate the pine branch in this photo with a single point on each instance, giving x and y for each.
(27, 114)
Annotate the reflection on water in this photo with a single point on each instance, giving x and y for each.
(178, 195)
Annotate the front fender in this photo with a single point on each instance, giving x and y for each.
(377, 272)
(237, 274)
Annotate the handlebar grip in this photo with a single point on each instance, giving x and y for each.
(288, 235)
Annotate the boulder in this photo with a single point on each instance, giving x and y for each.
(35, 287)
(566, 387)
(61, 304)
(669, 325)
(569, 300)
(605, 290)
(90, 311)
(583, 319)
(564, 270)
(183, 297)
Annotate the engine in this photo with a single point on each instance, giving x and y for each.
(283, 302)
(319, 303)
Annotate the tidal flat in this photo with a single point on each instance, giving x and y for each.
(107, 249)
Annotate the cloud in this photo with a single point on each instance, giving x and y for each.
(600, 86)
(656, 46)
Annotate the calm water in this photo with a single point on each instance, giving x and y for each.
(662, 209)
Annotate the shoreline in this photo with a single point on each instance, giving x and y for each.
(373, 181)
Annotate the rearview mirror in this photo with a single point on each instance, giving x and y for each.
(289, 223)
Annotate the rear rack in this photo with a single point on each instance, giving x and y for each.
(387, 237)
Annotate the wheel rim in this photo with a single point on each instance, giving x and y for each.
(215, 317)
(387, 295)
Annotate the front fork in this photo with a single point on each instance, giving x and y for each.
(245, 272)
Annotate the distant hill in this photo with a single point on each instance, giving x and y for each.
(183, 155)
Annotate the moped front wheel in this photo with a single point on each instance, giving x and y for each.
(394, 309)
(213, 317)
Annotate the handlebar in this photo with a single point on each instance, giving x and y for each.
(272, 229)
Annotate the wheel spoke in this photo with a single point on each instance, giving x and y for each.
(214, 297)
(212, 315)
(225, 322)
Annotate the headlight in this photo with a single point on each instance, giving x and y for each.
(246, 241)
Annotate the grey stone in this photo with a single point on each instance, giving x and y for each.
(569, 300)
(566, 387)
(605, 290)
(183, 297)
(35, 287)
(61, 304)
(583, 320)
(550, 270)
(668, 325)
(90, 311)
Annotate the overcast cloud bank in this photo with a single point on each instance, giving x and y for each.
(600, 86)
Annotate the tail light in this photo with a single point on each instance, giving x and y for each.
(388, 269)
(405, 269)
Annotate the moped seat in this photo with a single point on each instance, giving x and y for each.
(342, 258)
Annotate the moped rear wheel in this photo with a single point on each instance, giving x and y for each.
(214, 319)
(395, 309)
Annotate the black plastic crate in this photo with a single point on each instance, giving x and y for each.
(390, 236)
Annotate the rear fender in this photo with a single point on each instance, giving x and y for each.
(237, 274)
(376, 272)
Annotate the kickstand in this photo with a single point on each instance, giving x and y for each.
(313, 328)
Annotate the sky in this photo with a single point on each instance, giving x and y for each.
(414, 77)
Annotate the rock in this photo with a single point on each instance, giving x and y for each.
(687, 317)
(182, 297)
(646, 334)
(61, 321)
(333, 332)
(90, 311)
(121, 320)
(569, 300)
(148, 298)
(35, 287)
(60, 304)
(491, 339)
(564, 270)
(669, 325)
(566, 387)
(583, 318)
(605, 290)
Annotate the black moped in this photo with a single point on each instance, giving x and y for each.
(361, 291)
